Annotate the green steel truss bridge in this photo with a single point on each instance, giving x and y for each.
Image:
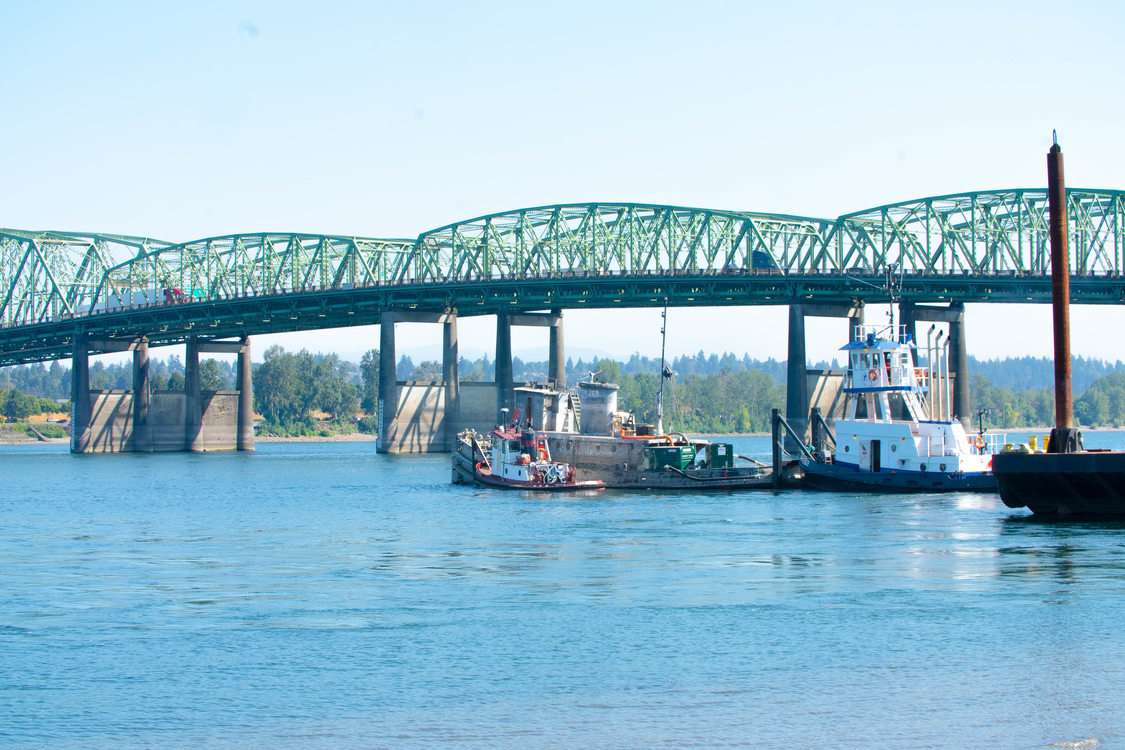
(975, 247)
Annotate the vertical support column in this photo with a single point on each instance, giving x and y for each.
(142, 397)
(797, 385)
(80, 397)
(775, 430)
(556, 358)
(388, 386)
(193, 401)
(908, 318)
(855, 320)
(450, 373)
(244, 383)
(908, 314)
(959, 365)
(505, 387)
(816, 434)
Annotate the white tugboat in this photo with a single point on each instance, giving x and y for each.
(896, 433)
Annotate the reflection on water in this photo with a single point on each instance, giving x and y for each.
(323, 596)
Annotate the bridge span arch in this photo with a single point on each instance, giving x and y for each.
(74, 294)
(988, 246)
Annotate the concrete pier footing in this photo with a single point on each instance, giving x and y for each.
(142, 399)
(797, 390)
(503, 363)
(193, 421)
(419, 417)
(80, 397)
(244, 384)
(797, 401)
(416, 417)
(142, 421)
(954, 316)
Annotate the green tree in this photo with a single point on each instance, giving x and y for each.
(277, 386)
(609, 371)
(369, 373)
(20, 405)
(211, 376)
(428, 371)
(331, 390)
(1103, 403)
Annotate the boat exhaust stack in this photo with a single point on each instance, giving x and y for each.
(930, 393)
(946, 401)
(937, 387)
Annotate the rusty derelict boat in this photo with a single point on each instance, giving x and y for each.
(519, 459)
(585, 430)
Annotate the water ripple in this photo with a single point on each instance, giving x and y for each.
(325, 596)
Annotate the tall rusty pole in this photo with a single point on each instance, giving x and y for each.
(1060, 300)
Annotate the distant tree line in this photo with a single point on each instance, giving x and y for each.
(706, 393)
(15, 405)
(289, 388)
(1033, 373)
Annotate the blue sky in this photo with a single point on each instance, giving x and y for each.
(183, 121)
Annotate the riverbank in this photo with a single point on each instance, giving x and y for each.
(10, 439)
(354, 437)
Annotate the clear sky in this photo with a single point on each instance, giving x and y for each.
(190, 120)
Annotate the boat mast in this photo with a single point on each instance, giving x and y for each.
(663, 370)
(891, 299)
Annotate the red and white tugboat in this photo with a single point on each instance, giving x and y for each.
(518, 459)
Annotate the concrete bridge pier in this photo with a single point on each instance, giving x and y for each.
(139, 421)
(954, 316)
(797, 378)
(450, 375)
(797, 382)
(142, 398)
(505, 387)
(80, 411)
(959, 365)
(193, 401)
(556, 356)
(391, 414)
(137, 435)
(243, 383)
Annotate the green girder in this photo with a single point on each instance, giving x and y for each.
(988, 246)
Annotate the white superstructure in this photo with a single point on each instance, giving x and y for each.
(896, 414)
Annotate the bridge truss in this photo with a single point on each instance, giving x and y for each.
(973, 247)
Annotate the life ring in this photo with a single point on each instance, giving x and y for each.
(979, 443)
(872, 374)
(542, 452)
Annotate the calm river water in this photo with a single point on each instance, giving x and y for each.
(320, 595)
